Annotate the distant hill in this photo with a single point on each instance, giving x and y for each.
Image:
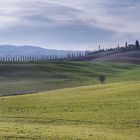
(11, 50)
(121, 57)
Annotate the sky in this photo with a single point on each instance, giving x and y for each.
(69, 25)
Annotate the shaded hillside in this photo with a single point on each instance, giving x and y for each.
(132, 57)
(21, 78)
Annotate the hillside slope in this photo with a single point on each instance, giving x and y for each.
(132, 57)
(21, 78)
(101, 112)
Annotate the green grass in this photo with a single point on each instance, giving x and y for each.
(20, 78)
(98, 112)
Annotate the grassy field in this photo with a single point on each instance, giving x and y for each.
(21, 78)
(99, 112)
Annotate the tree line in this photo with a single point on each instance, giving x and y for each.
(69, 56)
(125, 48)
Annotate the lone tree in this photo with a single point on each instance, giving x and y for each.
(137, 44)
(102, 78)
(126, 45)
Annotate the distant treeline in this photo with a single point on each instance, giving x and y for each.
(69, 56)
(128, 47)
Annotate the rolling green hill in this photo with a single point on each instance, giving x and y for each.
(98, 112)
(22, 78)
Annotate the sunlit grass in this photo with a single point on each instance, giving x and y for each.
(98, 112)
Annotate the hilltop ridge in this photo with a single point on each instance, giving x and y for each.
(27, 50)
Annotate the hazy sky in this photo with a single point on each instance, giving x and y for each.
(69, 24)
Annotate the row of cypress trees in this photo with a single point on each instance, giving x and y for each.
(41, 58)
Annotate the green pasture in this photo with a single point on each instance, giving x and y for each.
(21, 78)
(98, 112)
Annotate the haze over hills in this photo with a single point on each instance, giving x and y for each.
(131, 55)
(12, 50)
